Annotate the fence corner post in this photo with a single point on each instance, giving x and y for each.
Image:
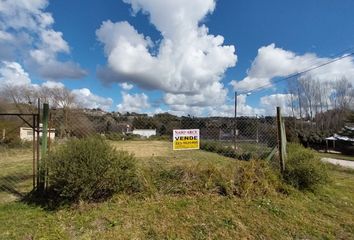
(281, 140)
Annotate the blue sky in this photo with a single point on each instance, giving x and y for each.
(269, 37)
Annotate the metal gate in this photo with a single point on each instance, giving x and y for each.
(19, 154)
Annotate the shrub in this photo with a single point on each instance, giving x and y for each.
(303, 168)
(228, 151)
(90, 169)
(115, 136)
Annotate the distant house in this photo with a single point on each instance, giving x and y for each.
(344, 140)
(26, 133)
(144, 132)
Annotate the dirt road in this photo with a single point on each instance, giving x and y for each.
(343, 163)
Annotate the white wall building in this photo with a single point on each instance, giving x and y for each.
(26, 133)
(145, 132)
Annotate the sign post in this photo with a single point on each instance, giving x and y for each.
(186, 139)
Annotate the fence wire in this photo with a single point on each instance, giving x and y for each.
(247, 137)
(244, 138)
(16, 158)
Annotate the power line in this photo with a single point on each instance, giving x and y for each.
(299, 73)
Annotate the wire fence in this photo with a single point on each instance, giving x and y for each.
(243, 138)
(246, 137)
(16, 157)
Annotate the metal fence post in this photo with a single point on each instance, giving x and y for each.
(44, 146)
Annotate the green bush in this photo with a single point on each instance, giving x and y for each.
(115, 136)
(90, 169)
(303, 168)
(228, 151)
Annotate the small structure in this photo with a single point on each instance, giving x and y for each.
(345, 137)
(144, 132)
(26, 133)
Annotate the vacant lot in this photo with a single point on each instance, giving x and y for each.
(146, 149)
(326, 214)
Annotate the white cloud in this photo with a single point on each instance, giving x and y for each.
(19, 14)
(126, 86)
(54, 42)
(87, 99)
(243, 109)
(26, 33)
(223, 110)
(134, 103)
(274, 62)
(269, 103)
(187, 63)
(52, 84)
(12, 73)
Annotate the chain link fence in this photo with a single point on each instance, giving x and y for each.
(244, 138)
(16, 157)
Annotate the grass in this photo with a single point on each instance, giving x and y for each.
(336, 156)
(15, 173)
(326, 214)
(151, 151)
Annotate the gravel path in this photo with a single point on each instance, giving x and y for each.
(343, 163)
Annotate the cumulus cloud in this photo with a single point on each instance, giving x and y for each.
(126, 86)
(133, 103)
(13, 76)
(12, 73)
(243, 109)
(52, 84)
(270, 102)
(274, 62)
(187, 63)
(26, 33)
(224, 110)
(87, 99)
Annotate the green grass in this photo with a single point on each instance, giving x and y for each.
(336, 156)
(325, 214)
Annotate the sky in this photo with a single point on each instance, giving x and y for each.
(181, 56)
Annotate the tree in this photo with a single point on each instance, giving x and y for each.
(23, 96)
(343, 94)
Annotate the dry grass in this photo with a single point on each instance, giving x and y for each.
(162, 150)
(145, 149)
(15, 173)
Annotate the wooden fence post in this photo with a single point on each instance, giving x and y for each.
(281, 140)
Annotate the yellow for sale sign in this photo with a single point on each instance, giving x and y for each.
(186, 139)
